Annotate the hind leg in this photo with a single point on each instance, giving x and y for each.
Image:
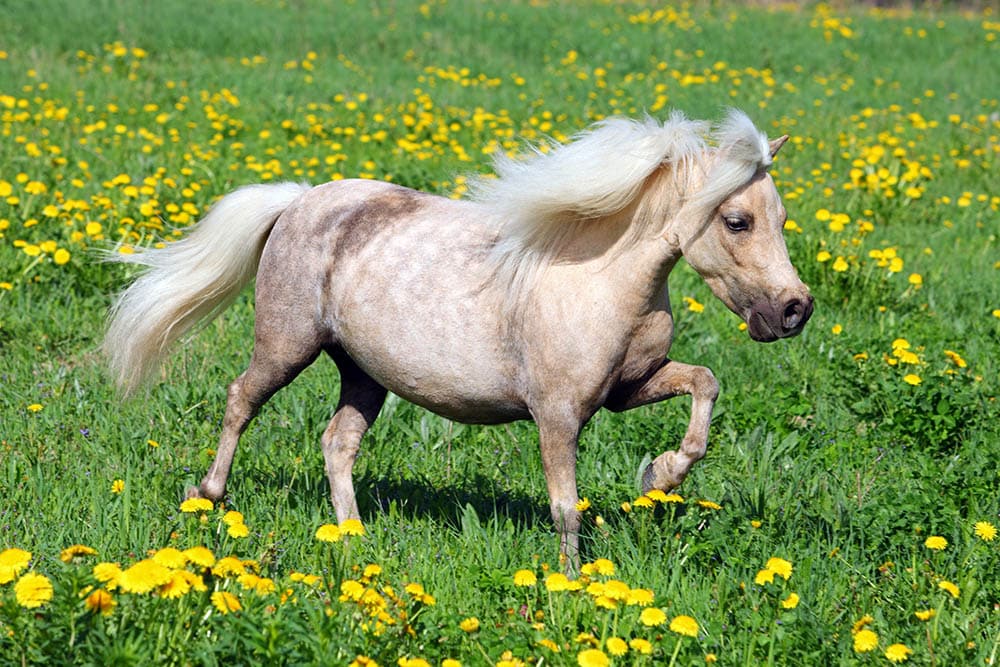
(278, 357)
(361, 399)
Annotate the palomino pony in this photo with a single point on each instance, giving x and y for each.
(543, 297)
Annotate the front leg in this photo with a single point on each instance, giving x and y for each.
(673, 378)
(558, 441)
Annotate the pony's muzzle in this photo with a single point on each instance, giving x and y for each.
(767, 323)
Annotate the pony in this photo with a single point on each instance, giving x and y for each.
(542, 296)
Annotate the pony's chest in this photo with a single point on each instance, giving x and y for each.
(648, 346)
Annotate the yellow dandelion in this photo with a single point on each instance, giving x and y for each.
(790, 602)
(840, 264)
(469, 625)
(950, 587)
(117, 486)
(865, 640)
(170, 557)
(912, 379)
(225, 602)
(764, 576)
(898, 653)
(100, 602)
(192, 505)
(557, 582)
(684, 625)
(71, 553)
(352, 527)
(328, 533)
(592, 657)
(144, 576)
(12, 562)
(33, 590)
(232, 517)
(108, 574)
(936, 543)
(985, 530)
(925, 614)
(35, 407)
(616, 646)
(642, 597)
(238, 531)
(641, 645)
(658, 495)
(780, 567)
(230, 566)
(525, 578)
(583, 505)
(201, 556)
(643, 501)
(652, 617)
(709, 505)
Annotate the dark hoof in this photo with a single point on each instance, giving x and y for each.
(647, 479)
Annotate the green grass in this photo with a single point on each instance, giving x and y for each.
(820, 453)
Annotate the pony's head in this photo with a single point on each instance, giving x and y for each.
(730, 232)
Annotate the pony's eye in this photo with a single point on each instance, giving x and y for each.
(736, 223)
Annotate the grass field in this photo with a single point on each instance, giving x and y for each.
(847, 508)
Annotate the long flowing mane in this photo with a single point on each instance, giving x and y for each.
(538, 199)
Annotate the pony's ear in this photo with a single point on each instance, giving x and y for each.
(776, 144)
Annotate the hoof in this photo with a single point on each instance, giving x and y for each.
(192, 492)
(648, 478)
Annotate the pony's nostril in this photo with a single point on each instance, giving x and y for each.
(794, 310)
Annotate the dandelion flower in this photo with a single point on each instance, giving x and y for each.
(791, 602)
(328, 533)
(780, 567)
(684, 625)
(925, 614)
(225, 602)
(912, 379)
(525, 578)
(583, 505)
(144, 576)
(232, 517)
(616, 646)
(557, 581)
(35, 407)
(643, 501)
(985, 530)
(865, 640)
(33, 590)
(238, 531)
(642, 597)
(652, 616)
(861, 623)
(352, 527)
(117, 486)
(898, 653)
(201, 556)
(709, 505)
(950, 587)
(469, 625)
(71, 553)
(170, 557)
(641, 645)
(592, 657)
(100, 602)
(192, 505)
(936, 542)
(12, 561)
(763, 577)
(230, 566)
(604, 567)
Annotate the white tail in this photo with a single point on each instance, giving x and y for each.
(191, 280)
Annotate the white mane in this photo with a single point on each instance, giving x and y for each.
(536, 199)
